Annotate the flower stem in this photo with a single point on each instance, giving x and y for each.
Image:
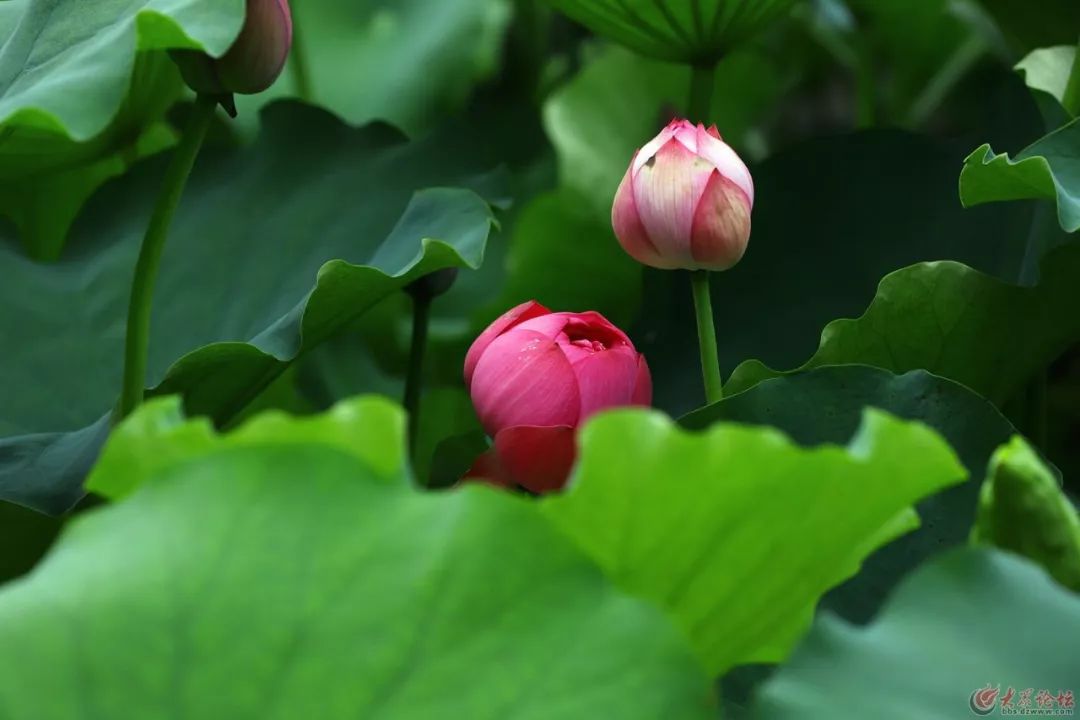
(702, 79)
(298, 58)
(137, 340)
(414, 379)
(706, 328)
(1071, 98)
(699, 109)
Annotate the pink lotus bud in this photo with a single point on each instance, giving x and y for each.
(685, 201)
(535, 376)
(253, 62)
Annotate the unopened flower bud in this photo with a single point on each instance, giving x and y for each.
(685, 201)
(535, 376)
(253, 62)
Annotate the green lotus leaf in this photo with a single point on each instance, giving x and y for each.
(947, 318)
(275, 247)
(280, 576)
(690, 31)
(1048, 169)
(737, 532)
(971, 617)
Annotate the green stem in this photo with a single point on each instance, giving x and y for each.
(699, 110)
(1071, 98)
(414, 379)
(137, 340)
(706, 328)
(298, 57)
(702, 79)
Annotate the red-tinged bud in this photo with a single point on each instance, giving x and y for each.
(685, 201)
(253, 62)
(535, 376)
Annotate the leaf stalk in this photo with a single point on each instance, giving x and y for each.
(137, 339)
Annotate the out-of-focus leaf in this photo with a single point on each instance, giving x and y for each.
(67, 65)
(454, 456)
(824, 406)
(24, 536)
(973, 617)
(689, 31)
(1048, 169)
(1051, 22)
(738, 532)
(914, 52)
(284, 578)
(1047, 69)
(46, 177)
(953, 321)
(1022, 509)
(158, 436)
(405, 61)
(265, 260)
(566, 256)
(445, 413)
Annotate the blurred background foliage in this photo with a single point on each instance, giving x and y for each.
(856, 115)
(821, 100)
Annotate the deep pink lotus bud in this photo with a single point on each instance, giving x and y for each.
(685, 201)
(253, 62)
(535, 376)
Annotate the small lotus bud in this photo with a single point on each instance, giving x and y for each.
(685, 201)
(534, 377)
(253, 62)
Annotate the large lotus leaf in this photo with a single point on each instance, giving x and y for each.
(828, 224)
(1048, 69)
(405, 61)
(620, 100)
(1049, 169)
(158, 436)
(565, 256)
(274, 247)
(970, 618)
(373, 356)
(691, 31)
(738, 531)
(825, 406)
(46, 177)
(66, 65)
(288, 579)
(956, 322)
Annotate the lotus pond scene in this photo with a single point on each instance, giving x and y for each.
(539, 359)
